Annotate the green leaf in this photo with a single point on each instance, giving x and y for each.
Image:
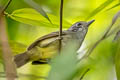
(32, 17)
(114, 6)
(100, 8)
(117, 62)
(116, 48)
(64, 65)
(38, 8)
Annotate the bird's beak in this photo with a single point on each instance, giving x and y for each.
(90, 22)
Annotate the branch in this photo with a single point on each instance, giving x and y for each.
(10, 69)
(7, 55)
(60, 31)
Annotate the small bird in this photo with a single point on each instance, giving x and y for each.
(47, 47)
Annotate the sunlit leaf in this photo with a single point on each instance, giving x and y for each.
(32, 17)
(38, 8)
(114, 6)
(100, 8)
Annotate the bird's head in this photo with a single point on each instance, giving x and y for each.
(81, 26)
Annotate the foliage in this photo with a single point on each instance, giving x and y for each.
(101, 7)
(28, 20)
(24, 15)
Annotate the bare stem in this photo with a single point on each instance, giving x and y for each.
(60, 31)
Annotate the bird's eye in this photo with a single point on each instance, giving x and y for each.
(78, 24)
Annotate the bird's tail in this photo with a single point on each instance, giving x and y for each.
(21, 59)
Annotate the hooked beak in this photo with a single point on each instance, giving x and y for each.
(90, 22)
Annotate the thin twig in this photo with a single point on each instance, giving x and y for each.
(84, 74)
(7, 5)
(60, 31)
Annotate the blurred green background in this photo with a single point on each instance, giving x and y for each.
(102, 65)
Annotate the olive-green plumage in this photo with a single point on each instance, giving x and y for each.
(47, 47)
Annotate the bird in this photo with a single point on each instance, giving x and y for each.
(46, 47)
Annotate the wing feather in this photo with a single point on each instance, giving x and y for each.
(51, 35)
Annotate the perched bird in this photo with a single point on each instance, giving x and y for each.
(47, 47)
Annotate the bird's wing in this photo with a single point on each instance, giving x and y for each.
(51, 35)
